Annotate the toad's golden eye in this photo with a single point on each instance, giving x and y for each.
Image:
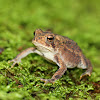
(50, 38)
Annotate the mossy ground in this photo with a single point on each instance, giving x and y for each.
(77, 19)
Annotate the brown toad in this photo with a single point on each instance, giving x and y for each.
(58, 49)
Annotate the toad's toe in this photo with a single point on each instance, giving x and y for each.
(85, 74)
(47, 81)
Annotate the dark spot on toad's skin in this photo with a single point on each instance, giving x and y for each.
(52, 79)
(65, 49)
(57, 76)
(69, 42)
(57, 59)
(63, 42)
(53, 45)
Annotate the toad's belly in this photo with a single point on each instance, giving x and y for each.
(49, 56)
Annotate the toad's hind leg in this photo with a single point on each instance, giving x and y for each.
(88, 71)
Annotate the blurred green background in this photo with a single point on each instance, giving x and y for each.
(79, 20)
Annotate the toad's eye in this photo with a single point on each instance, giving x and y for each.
(34, 33)
(50, 38)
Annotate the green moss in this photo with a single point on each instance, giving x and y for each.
(79, 20)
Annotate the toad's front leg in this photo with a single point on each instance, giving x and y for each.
(59, 73)
(23, 54)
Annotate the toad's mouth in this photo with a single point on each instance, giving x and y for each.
(43, 48)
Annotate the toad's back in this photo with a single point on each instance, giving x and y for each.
(69, 52)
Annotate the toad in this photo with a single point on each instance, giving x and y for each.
(58, 49)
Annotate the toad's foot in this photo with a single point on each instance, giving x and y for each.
(87, 73)
(47, 81)
(15, 61)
